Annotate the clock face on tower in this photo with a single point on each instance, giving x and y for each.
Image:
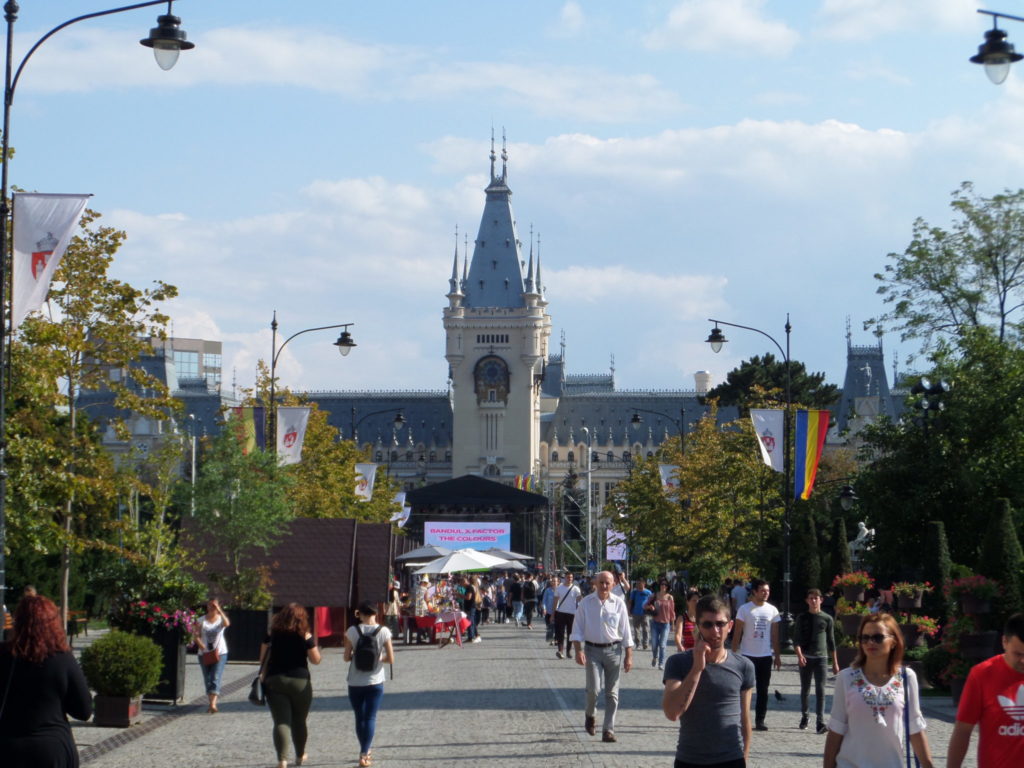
(490, 380)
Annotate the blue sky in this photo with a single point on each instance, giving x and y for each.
(681, 160)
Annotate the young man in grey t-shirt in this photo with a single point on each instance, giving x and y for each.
(708, 691)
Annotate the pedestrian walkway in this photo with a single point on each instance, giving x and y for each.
(506, 701)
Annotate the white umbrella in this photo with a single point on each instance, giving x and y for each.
(507, 554)
(462, 560)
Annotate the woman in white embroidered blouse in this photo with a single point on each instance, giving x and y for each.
(868, 721)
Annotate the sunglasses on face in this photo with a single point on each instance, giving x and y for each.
(713, 624)
(876, 639)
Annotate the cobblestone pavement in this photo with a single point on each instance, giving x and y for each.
(506, 701)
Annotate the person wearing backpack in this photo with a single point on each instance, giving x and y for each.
(367, 646)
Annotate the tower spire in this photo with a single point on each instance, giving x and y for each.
(504, 157)
(494, 157)
(539, 286)
(529, 267)
(453, 282)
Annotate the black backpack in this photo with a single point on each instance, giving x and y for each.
(366, 654)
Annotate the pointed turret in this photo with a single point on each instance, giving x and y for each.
(529, 267)
(495, 277)
(454, 288)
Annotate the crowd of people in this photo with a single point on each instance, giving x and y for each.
(716, 685)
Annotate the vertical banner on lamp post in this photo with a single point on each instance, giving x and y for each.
(769, 424)
(365, 475)
(615, 546)
(43, 226)
(291, 432)
(467, 535)
(669, 476)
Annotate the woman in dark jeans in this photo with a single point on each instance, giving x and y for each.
(288, 649)
(366, 687)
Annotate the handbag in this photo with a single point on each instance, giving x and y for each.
(209, 658)
(256, 695)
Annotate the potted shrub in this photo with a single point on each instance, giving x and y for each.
(974, 593)
(853, 584)
(171, 631)
(120, 667)
(909, 593)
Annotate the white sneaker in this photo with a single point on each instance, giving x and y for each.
(475, 640)
(661, 666)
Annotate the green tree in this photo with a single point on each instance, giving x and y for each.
(95, 323)
(937, 568)
(764, 376)
(1001, 557)
(241, 505)
(971, 276)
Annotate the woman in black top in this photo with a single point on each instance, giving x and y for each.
(287, 650)
(40, 685)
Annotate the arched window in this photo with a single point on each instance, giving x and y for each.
(378, 456)
(611, 456)
(408, 455)
(572, 457)
(394, 455)
(626, 456)
(650, 455)
(554, 455)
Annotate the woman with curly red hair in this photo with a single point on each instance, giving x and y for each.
(287, 650)
(40, 685)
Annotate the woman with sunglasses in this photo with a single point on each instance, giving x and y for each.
(876, 703)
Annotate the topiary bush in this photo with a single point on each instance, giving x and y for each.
(936, 660)
(122, 664)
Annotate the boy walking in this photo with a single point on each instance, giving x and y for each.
(815, 643)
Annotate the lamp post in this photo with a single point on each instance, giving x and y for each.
(167, 39)
(995, 54)
(344, 345)
(930, 402)
(636, 421)
(590, 499)
(193, 424)
(716, 339)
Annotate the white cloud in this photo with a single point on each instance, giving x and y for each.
(571, 20)
(573, 92)
(868, 19)
(737, 26)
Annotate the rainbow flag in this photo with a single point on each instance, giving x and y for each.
(524, 482)
(248, 425)
(811, 428)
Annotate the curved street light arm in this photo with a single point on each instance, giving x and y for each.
(68, 23)
(778, 346)
(999, 15)
(277, 354)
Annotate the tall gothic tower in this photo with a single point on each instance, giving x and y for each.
(496, 329)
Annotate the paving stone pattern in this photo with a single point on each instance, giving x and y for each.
(506, 701)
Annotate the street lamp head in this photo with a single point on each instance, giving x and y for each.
(636, 421)
(996, 55)
(847, 497)
(167, 39)
(345, 343)
(399, 420)
(716, 339)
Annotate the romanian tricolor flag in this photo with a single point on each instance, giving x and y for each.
(248, 425)
(811, 428)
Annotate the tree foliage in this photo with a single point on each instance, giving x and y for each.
(60, 475)
(971, 276)
(760, 377)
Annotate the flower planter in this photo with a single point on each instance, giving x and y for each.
(922, 679)
(850, 623)
(116, 711)
(172, 679)
(854, 594)
(911, 637)
(845, 656)
(972, 605)
(908, 602)
(246, 633)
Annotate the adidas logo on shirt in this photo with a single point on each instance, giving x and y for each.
(1015, 709)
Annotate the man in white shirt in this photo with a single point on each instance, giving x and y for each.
(567, 597)
(756, 635)
(600, 632)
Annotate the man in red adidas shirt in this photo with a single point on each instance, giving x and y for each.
(994, 698)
